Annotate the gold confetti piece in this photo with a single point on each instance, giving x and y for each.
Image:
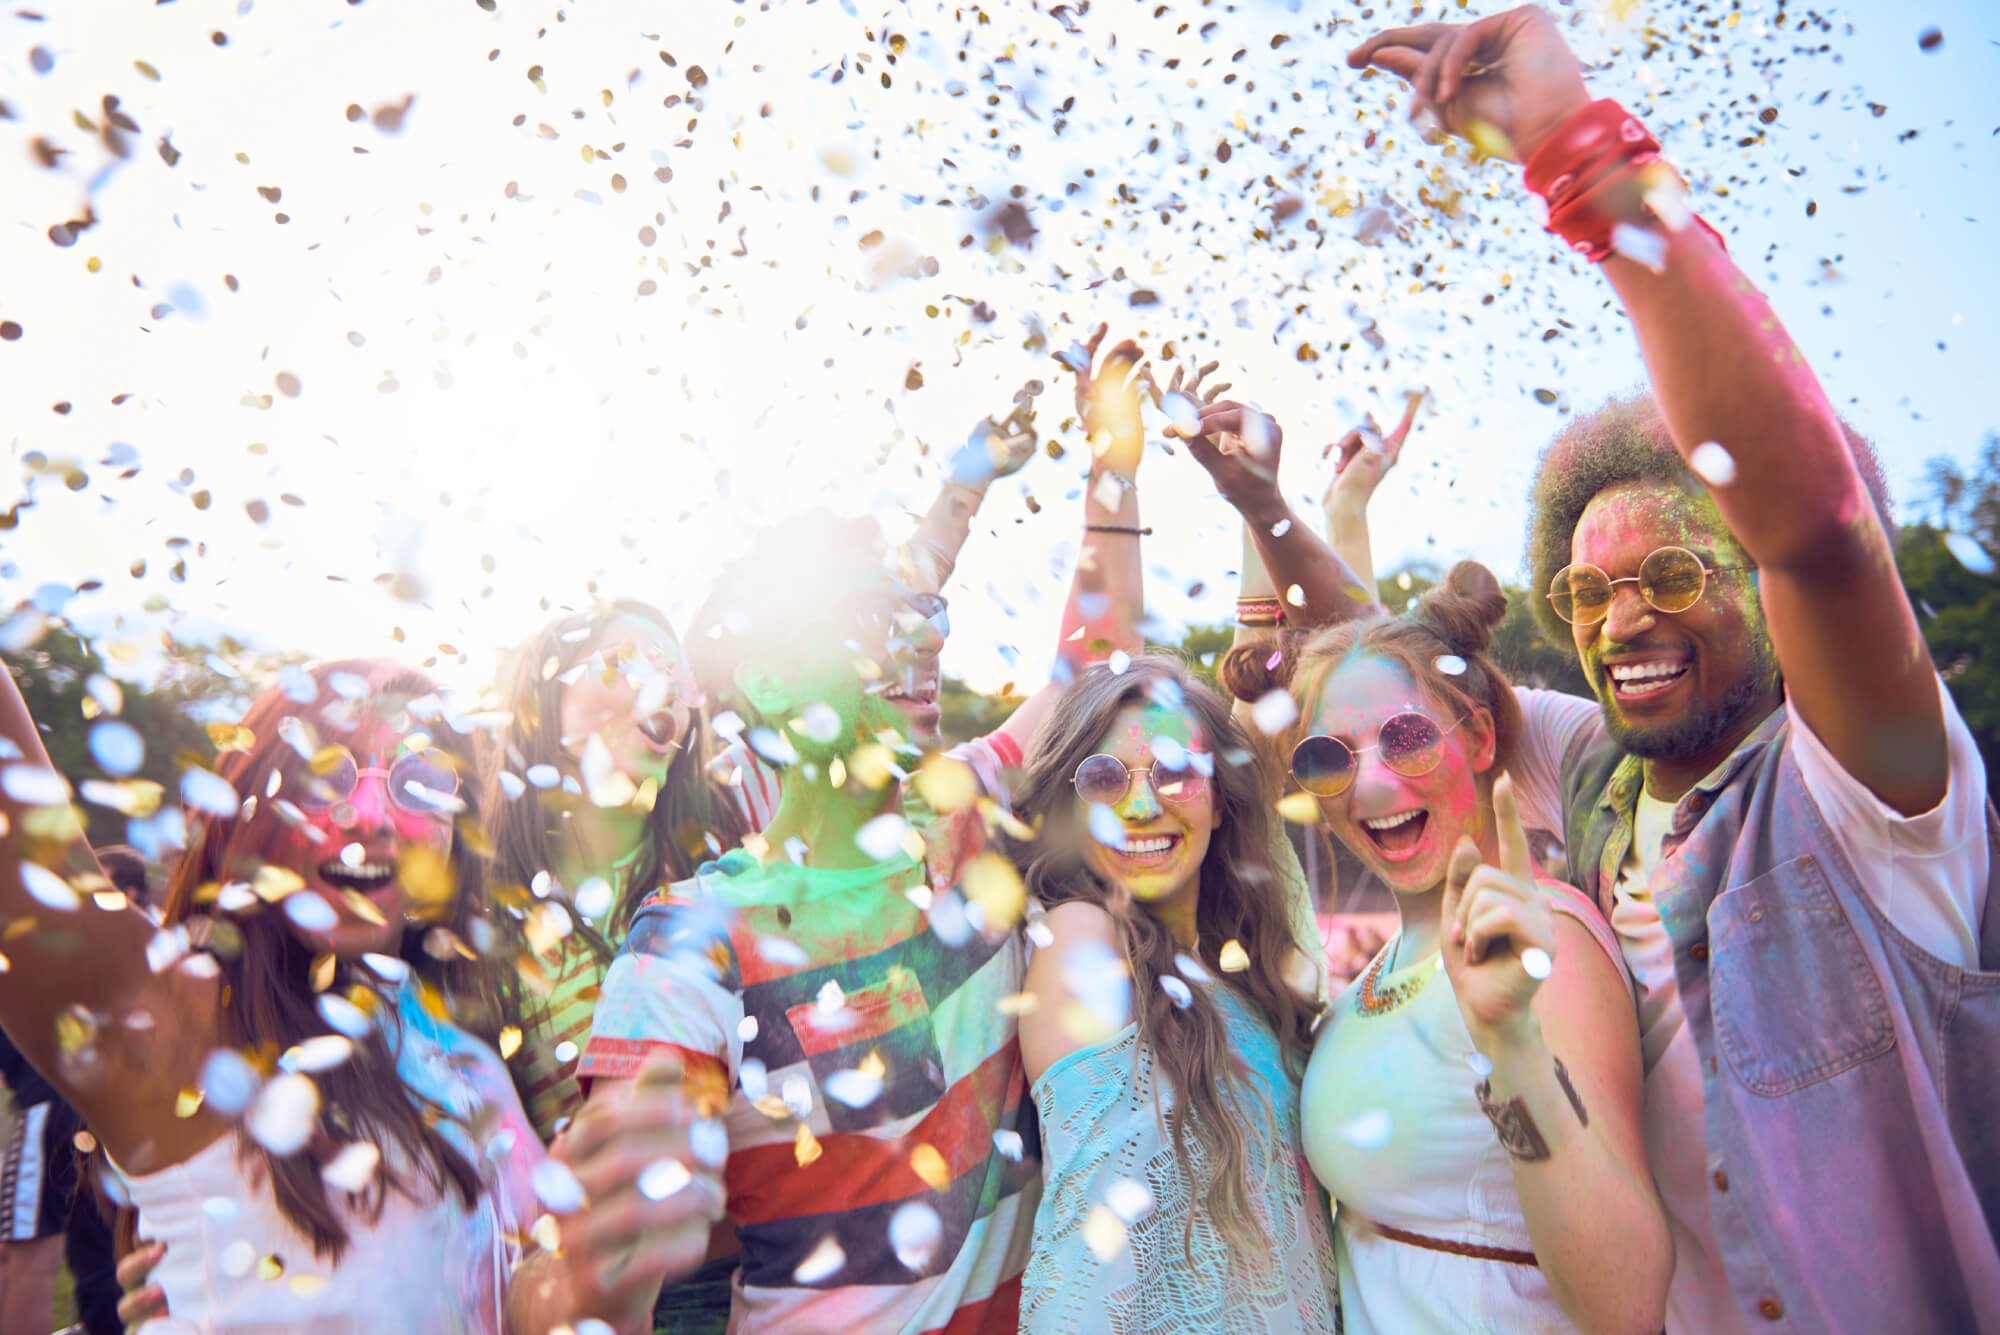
(947, 785)
(1019, 1003)
(928, 1164)
(873, 764)
(187, 1103)
(427, 877)
(229, 737)
(1299, 808)
(308, 1286)
(510, 1041)
(545, 1233)
(321, 973)
(1233, 959)
(272, 882)
(806, 1147)
(270, 1267)
(1104, 1232)
(991, 882)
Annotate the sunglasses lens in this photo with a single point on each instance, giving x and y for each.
(1323, 766)
(1672, 579)
(417, 783)
(329, 778)
(1581, 595)
(1102, 780)
(1411, 744)
(1179, 783)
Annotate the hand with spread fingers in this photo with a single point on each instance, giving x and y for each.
(1366, 456)
(1184, 398)
(1107, 402)
(1505, 82)
(644, 1221)
(1239, 446)
(1499, 932)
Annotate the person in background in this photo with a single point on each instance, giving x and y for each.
(325, 918)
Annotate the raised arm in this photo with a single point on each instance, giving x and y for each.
(1725, 374)
(1366, 457)
(1107, 598)
(1240, 448)
(1565, 1086)
(65, 953)
(994, 450)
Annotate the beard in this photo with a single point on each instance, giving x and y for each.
(1693, 733)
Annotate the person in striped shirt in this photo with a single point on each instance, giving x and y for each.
(838, 994)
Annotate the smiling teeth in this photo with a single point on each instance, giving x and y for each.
(1156, 845)
(1391, 822)
(360, 871)
(1646, 671)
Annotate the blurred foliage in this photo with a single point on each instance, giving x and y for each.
(197, 684)
(1957, 606)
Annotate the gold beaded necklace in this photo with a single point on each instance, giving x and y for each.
(1370, 1002)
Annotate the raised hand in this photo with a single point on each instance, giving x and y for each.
(644, 1221)
(1184, 398)
(1499, 933)
(139, 1300)
(1107, 401)
(1366, 456)
(1239, 446)
(1505, 82)
(999, 449)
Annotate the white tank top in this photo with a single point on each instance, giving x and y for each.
(233, 1264)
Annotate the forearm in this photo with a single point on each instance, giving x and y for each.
(1107, 594)
(1347, 534)
(931, 553)
(1724, 370)
(1317, 587)
(1575, 1191)
(540, 1300)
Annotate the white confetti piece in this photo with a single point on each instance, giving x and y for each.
(1712, 463)
(823, 1262)
(663, 1178)
(1370, 1131)
(882, 837)
(1274, 712)
(556, 1187)
(1535, 962)
(351, 1169)
(915, 1233)
(284, 1115)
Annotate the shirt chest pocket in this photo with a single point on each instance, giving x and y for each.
(1794, 996)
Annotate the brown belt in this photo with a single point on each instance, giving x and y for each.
(1472, 1249)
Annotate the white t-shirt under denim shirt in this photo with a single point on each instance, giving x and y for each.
(1926, 873)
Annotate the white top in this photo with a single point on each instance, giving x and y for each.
(1927, 873)
(1394, 1130)
(233, 1264)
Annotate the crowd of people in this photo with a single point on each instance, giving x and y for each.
(699, 987)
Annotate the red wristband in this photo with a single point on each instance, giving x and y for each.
(1601, 170)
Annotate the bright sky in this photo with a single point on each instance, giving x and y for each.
(465, 367)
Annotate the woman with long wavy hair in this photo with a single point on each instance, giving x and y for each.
(603, 789)
(294, 1076)
(1162, 1036)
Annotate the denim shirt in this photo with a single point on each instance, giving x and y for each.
(1851, 1080)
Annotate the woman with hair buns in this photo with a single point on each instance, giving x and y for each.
(1473, 1099)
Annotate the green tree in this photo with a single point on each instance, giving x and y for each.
(63, 679)
(1947, 565)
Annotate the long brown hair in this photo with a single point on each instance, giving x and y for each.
(1241, 899)
(269, 1001)
(690, 820)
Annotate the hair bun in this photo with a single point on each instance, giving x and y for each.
(1258, 664)
(1465, 608)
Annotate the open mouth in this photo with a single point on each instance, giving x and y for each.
(1397, 836)
(1149, 850)
(361, 877)
(659, 729)
(1640, 681)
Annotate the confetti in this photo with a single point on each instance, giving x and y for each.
(284, 1115)
(352, 1168)
(663, 1178)
(915, 1234)
(556, 1187)
(48, 889)
(1535, 962)
(117, 747)
(1450, 664)
(1370, 1131)
(1104, 1233)
(822, 1263)
(1274, 712)
(1233, 958)
(1713, 464)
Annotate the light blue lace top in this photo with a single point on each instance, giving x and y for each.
(1108, 1254)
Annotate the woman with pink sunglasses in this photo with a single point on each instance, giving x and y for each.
(1473, 1098)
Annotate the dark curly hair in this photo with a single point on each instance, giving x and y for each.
(1627, 441)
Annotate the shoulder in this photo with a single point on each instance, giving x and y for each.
(1081, 966)
(1075, 920)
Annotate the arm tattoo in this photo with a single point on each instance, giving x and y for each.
(1519, 1135)
(1575, 1099)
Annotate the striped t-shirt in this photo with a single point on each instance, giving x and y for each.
(882, 1173)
